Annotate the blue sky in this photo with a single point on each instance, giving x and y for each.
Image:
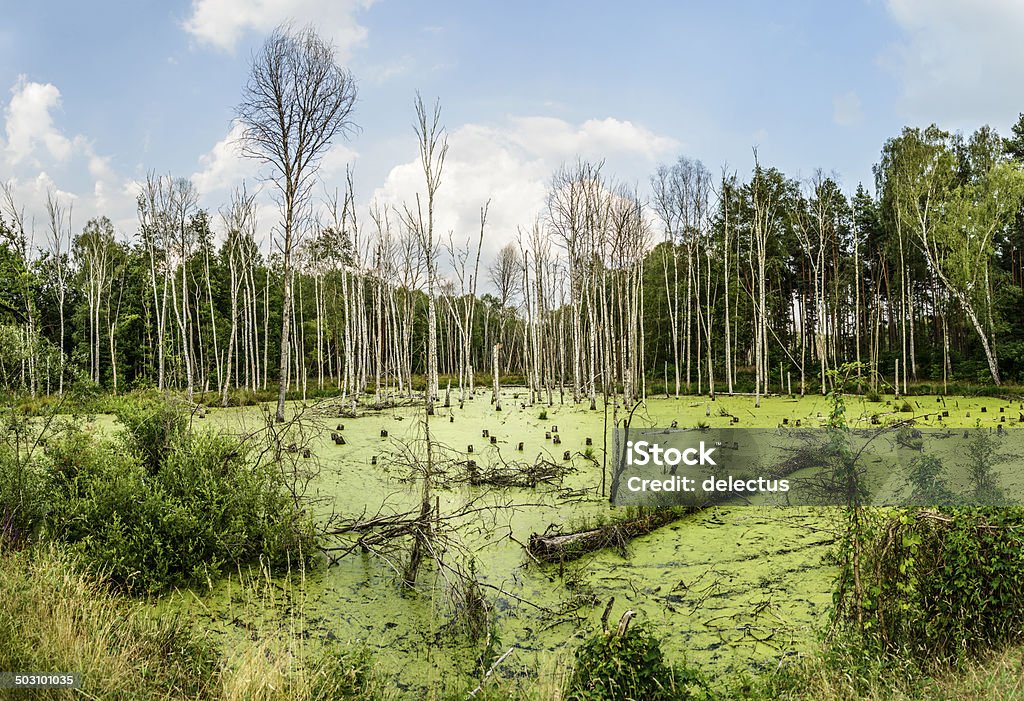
(96, 94)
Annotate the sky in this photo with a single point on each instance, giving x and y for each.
(93, 96)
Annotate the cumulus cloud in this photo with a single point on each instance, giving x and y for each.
(224, 166)
(221, 23)
(40, 157)
(958, 61)
(29, 124)
(511, 164)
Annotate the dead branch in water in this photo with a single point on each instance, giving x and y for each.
(514, 474)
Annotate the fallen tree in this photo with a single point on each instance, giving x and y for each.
(515, 474)
(562, 547)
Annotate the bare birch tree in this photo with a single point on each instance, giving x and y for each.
(297, 101)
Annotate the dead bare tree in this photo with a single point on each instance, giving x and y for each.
(297, 101)
(59, 237)
(433, 147)
(504, 273)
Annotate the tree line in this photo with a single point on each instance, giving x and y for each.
(710, 283)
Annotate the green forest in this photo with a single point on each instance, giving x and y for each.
(711, 283)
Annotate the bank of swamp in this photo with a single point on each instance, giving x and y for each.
(734, 591)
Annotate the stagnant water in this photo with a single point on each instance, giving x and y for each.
(732, 588)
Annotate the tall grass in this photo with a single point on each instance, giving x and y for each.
(55, 618)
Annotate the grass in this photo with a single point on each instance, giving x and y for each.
(54, 618)
(838, 676)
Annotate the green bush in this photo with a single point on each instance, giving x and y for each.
(208, 507)
(152, 422)
(940, 586)
(22, 497)
(610, 667)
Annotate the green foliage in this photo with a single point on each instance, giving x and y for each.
(983, 457)
(925, 478)
(941, 586)
(152, 423)
(208, 506)
(906, 407)
(611, 667)
(873, 396)
(543, 415)
(23, 494)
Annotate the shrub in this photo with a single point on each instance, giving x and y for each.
(151, 424)
(873, 396)
(209, 506)
(610, 667)
(940, 586)
(22, 499)
(222, 507)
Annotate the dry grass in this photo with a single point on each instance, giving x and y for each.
(999, 677)
(55, 619)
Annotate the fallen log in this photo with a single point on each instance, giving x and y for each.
(563, 547)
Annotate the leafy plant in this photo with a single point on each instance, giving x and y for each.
(611, 667)
(151, 424)
(925, 479)
(208, 506)
(942, 586)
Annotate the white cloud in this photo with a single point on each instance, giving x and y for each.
(511, 164)
(959, 62)
(383, 72)
(29, 124)
(846, 110)
(224, 166)
(593, 138)
(40, 157)
(222, 23)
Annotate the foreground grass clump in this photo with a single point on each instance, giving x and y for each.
(56, 619)
(849, 675)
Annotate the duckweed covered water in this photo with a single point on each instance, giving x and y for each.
(732, 588)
